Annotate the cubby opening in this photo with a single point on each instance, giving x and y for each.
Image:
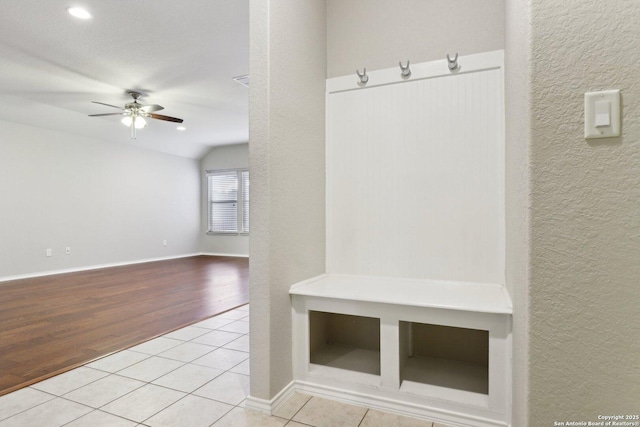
(445, 356)
(345, 341)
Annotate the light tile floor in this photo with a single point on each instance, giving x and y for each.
(195, 376)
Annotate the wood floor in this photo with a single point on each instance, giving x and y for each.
(51, 324)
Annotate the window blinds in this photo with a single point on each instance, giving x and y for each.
(245, 201)
(228, 201)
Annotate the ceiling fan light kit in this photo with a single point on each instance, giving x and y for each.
(137, 122)
(134, 113)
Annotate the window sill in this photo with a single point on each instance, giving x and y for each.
(216, 233)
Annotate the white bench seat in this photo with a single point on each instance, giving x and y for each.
(389, 376)
(465, 296)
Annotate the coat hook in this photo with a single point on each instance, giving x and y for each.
(363, 77)
(405, 71)
(453, 63)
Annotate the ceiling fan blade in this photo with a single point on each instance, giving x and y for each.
(107, 114)
(166, 118)
(108, 105)
(152, 108)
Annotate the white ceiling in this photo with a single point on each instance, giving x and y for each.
(179, 54)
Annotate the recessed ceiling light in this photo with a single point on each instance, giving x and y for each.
(181, 128)
(79, 13)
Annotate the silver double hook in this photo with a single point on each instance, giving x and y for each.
(363, 77)
(453, 63)
(405, 72)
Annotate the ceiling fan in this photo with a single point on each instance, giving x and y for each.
(134, 113)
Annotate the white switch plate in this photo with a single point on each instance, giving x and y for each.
(590, 129)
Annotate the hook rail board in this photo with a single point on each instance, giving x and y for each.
(425, 70)
(415, 172)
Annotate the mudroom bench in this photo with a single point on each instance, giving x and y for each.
(433, 349)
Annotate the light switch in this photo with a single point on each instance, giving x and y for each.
(602, 114)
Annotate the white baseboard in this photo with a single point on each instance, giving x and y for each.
(268, 406)
(449, 418)
(93, 267)
(113, 264)
(230, 255)
(257, 404)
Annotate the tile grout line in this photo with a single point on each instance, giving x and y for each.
(104, 412)
(102, 370)
(60, 395)
(55, 396)
(34, 406)
(303, 405)
(363, 416)
(145, 383)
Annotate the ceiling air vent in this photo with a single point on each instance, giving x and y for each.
(243, 80)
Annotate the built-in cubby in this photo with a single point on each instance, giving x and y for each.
(345, 341)
(435, 349)
(444, 356)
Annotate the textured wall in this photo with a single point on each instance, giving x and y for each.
(585, 217)
(517, 191)
(286, 154)
(222, 157)
(109, 203)
(378, 33)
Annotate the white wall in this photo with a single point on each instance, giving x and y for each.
(221, 157)
(376, 34)
(109, 203)
(585, 214)
(287, 162)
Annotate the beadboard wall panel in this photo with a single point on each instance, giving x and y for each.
(415, 178)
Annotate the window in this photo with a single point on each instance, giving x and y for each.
(228, 201)
(245, 200)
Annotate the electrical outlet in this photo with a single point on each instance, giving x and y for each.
(67, 250)
(49, 252)
(164, 243)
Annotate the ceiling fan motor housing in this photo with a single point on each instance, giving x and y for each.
(133, 105)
